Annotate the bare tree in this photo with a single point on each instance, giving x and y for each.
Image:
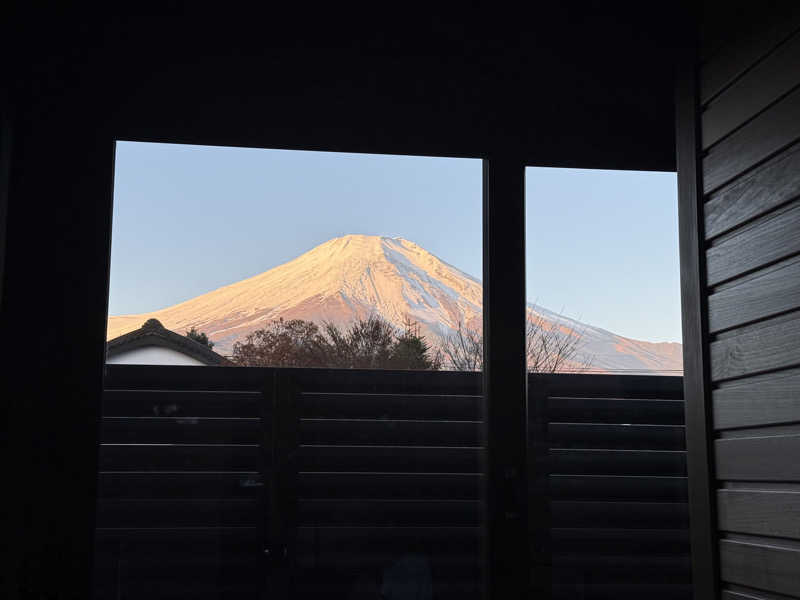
(552, 348)
(549, 348)
(463, 349)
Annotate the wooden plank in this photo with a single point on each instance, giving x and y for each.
(763, 294)
(626, 567)
(197, 378)
(145, 513)
(312, 586)
(601, 487)
(178, 485)
(197, 540)
(615, 410)
(742, 53)
(385, 382)
(389, 513)
(762, 137)
(455, 486)
(180, 430)
(694, 324)
(623, 515)
(378, 459)
(180, 403)
(575, 587)
(389, 406)
(759, 458)
(618, 462)
(766, 346)
(389, 432)
(603, 436)
(764, 241)
(740, 592)
(579, 385)
(505, 378)
(760, 512)
(771, 567)
(770, 399)
(348, 547)
(179, 458)
(759, 87)
(605, 541)
(765, 188)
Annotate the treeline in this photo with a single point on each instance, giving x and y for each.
(368, 343)
(374, 343)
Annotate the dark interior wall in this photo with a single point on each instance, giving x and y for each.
(748, 154)
(561, 87)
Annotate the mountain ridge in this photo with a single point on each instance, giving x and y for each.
(357, 275)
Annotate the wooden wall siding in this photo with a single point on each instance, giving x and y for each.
(770, 399)
(750, 130)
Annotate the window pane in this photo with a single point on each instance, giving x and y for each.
(280, 479)
(602, 272)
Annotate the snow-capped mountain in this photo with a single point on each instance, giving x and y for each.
(358, 275)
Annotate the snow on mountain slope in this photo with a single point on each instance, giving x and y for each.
(357, 275)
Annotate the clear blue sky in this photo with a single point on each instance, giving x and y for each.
(602, 245)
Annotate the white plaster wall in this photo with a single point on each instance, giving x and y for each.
(152, 355)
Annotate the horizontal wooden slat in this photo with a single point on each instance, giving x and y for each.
(389, 406)
(628, 515)
(769, 399)
(459, 486)
(180, 540)
(575, 587)
(754, 91)
(764, 294)
(601, 487)
(626, 568)
(179, 485)
(381, 382)
(198, 583)
(378, 459)
(771, 567)
(666, 571)
(593, 435)
(389, 432)
(766, 240)
(759, 458)
(180, 430)
(759, 512)
(604, 541)
(762, 347)
(195, 378)
(179, 458)
(577, 385)
(345, 547)
(760, 191)
(364, 512)
(614, 410)
(176, 513)
(160, 403)
(618, 462)
(743, 52)
(447, 582)
(766, 134)
(736, 592)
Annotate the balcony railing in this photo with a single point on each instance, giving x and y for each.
(301, 483)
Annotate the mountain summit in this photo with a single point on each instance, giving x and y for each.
(357, 275)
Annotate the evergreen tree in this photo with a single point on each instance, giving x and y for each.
(200, 338)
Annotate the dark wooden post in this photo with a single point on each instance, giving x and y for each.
(504, 378)
(699, 432)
